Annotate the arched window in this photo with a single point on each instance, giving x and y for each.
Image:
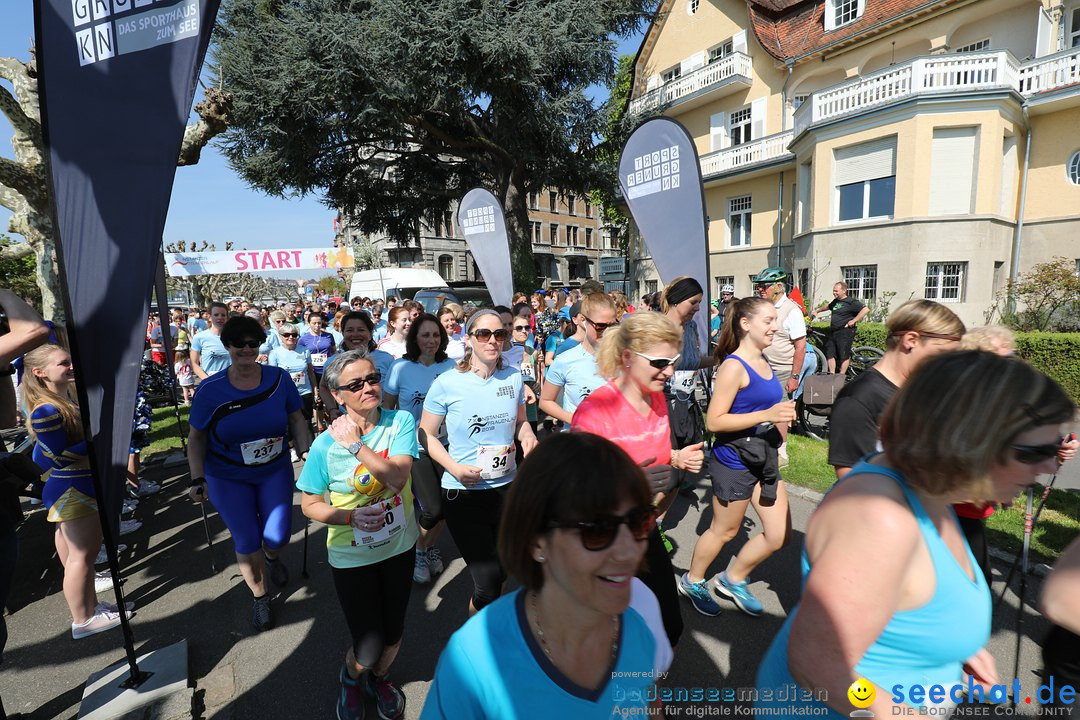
(446, 267)
(1073, 168)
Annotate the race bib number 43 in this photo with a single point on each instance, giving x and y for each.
(260, 452)
(684, 380)
(394, 523)
(495, 461)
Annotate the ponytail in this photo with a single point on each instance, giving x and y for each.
(731, 332)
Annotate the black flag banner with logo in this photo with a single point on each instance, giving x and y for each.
(116, 82)
(660, 177)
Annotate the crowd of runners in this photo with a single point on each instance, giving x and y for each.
(534, 433)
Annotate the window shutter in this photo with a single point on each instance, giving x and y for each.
(1044, 35)
(830, 15)
(692, 63)
(1008, 177)
(738, 42)
(866, 161)
(718, 134)
(757, 118)
(860, 9)
(652, 83)
(952, 171)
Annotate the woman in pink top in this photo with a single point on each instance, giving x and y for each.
(639, 356)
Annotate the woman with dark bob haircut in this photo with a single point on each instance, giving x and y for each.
(574, 531)
(892, 596)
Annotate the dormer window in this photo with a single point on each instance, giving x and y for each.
(842, 12)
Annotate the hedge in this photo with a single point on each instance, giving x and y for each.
(1056, 354)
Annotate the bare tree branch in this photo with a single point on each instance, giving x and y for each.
(16, 251)
(22, 122)
(214, 113)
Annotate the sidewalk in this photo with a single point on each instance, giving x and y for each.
(291, 671)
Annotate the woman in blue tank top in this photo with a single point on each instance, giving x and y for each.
(892, 594)
(747, 404)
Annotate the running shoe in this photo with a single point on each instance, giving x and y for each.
(388, 699)
(103, 558)
(101, 621)
(279, 574)
(103, 581)
(129, 506)
(147, 487)
(111, 607)
(699, 595)
(350, 704)
(129, 526)
(420, 573)
(740, 594)
(293, 456)
(434, 561)
(261, 617)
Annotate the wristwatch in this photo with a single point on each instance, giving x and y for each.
(355, 447)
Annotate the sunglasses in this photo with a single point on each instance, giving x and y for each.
(1035, 454)
(660, 362)
(484, 335)
(251, 344)
(284, 335)
(600, 327)
(600, 534)
(360, 383)
(520, 328)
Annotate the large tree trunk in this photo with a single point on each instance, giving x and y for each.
(516, 212)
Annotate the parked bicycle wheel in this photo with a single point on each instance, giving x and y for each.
(862, 359)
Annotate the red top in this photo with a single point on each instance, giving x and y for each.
(607, 412)
(973, 511)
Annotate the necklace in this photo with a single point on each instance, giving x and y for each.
(543, 640)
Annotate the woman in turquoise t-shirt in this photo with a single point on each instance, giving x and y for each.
(364, 462)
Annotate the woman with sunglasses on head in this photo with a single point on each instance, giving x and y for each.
(967, 426)
(237, 451)
(574, 371)
(363, 465)
(208, 354)
(569, 643)
(747, 404)
(640, 356)
(319, 343)
(483, 405)
(398, 321)
(406, 387)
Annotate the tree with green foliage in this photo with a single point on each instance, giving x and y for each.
(1046, 297)
(391, 109)
(620, 123)
(18, 275)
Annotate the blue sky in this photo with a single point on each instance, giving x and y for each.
(209, 202)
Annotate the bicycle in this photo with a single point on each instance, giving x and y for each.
(812, 418)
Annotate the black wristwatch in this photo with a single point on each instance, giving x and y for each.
(196, 482)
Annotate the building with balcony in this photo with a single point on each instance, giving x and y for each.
(914, 148)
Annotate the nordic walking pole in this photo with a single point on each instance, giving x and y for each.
(1028, 524)
(1034, 521)
(209, 540)
(303, 567)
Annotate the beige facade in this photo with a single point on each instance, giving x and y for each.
(887, 149)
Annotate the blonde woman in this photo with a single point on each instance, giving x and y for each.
(69, 497)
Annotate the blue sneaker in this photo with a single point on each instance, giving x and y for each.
(350, 704)
(699, 596)
(739, 594)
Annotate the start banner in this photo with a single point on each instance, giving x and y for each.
(235, 261)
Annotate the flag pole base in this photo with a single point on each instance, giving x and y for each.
(110, 693)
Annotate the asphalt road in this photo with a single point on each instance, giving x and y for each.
(291, 671)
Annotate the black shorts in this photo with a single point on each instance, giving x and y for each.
(838, 344)
(730, 485)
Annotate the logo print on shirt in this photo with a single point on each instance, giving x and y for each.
(505, 390)
(476, 425)
(417, 398)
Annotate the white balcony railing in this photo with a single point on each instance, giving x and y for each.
(726, 70)
(1050, 72)
(733, 158)
(939, 73)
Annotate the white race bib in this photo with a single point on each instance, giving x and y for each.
(260, 452)
(495, 461)
(684, 381)
(298, 378)
(528, 372)
(318, 359)
(394, 523)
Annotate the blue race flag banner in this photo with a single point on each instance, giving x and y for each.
(480, 218)
(660, 177)
(116, 83)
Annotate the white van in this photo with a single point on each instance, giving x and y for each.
(401, 283)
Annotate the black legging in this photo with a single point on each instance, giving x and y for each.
(659, 576)
(374, 598)
(426, 479)
(473, 519)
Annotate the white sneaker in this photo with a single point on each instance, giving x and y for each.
(102, 620)
(103, 581)
(434, 561)
(148, 488)
(103, 558)
(420, 572)
(293, 456)
(129, 526)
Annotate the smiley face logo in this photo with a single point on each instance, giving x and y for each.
(861, 693)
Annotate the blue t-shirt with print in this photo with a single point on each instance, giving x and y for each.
(479, 414)
(213, 356)
(321, 344)
(330, 467)
(410, 382)
(295, 363)
(254, 424)
(575, 372)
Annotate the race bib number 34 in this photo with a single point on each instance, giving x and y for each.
(495, 461)
(260, 452)
(394, 523)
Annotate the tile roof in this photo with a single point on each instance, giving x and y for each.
(794, 28)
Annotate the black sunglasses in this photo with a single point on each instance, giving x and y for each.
(600, 534)
(360, 383)
(289, 334)
(519, 328)
(601, 327)
(484, 334)
(1035, 454)
(660, 363)
(252, 344)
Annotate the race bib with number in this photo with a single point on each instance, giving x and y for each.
(528, 372)
(394, 523)
(298, 378)
(318, 359)
(495, 461)
(260, 452)
(684, 381)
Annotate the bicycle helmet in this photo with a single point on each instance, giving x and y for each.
(773, 274)
(727, 289)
